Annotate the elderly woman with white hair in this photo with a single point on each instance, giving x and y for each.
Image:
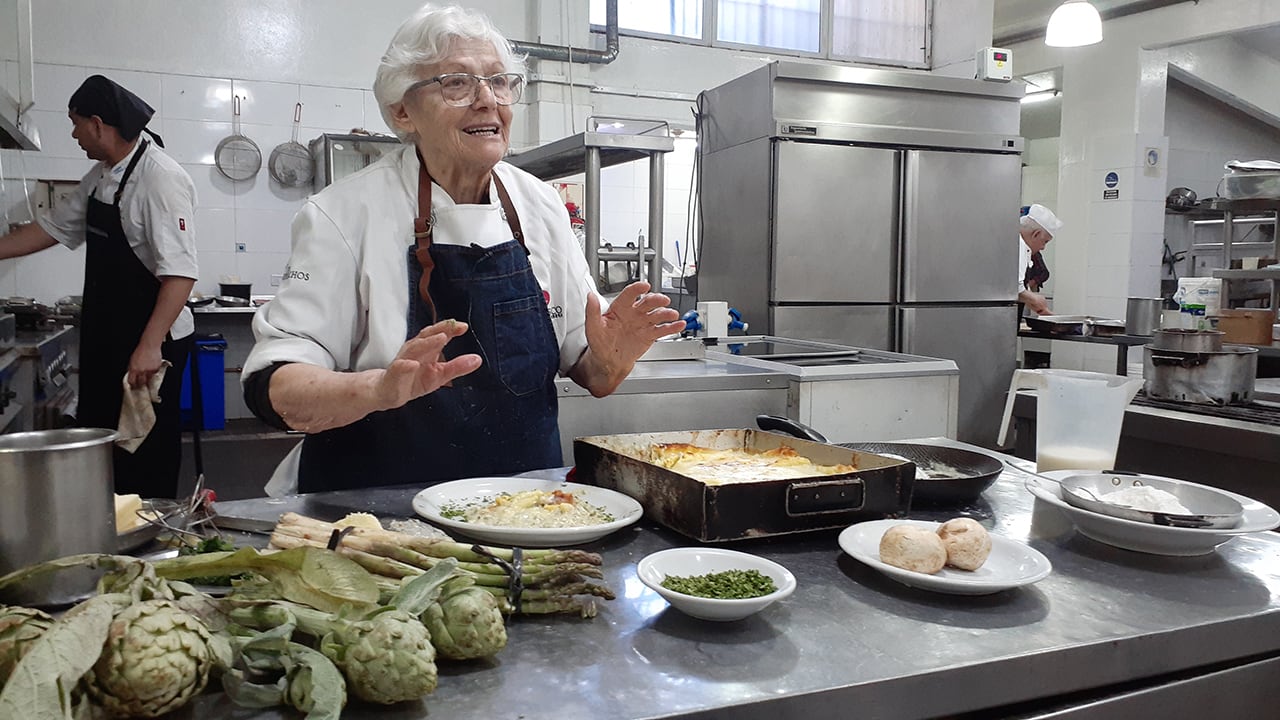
(1036, 228)
(432, 298)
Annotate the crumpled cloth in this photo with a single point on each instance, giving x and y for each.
(137, 416)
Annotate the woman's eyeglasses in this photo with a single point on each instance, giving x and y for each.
(459, 89)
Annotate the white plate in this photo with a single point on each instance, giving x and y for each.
(430, 502)
(1010, 565)
(1148, 537)
(686, 561)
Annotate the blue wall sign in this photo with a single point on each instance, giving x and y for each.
(1112, 180)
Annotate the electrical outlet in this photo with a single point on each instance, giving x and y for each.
(275, 280)
(240, 247)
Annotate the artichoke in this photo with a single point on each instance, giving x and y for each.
(155, 659)
(387, 658)
(19, 628)
(465, 622)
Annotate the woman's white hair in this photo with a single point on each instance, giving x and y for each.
(424, 39)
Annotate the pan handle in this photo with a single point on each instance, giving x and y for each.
(776, 423)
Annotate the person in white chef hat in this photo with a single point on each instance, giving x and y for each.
(431, 299)
(1036, 228)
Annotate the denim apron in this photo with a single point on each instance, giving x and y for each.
(498, 420)
(119, 297)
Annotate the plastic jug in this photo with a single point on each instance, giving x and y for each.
(1078, 416)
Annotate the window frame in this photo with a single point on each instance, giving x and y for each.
(826, 35)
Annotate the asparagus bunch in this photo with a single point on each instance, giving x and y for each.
(553, 580)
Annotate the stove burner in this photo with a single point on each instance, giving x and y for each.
(1258, 411)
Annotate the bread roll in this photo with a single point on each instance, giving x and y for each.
(913, 548)
(968, 544)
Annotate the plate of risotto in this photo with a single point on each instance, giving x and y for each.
(528, 512)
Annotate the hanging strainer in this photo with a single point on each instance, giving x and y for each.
(237, 157)
(290, 163)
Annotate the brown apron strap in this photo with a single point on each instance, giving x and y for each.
(423, 226)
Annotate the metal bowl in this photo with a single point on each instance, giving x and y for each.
(232, 301)
(943, 474)
(1210, 508)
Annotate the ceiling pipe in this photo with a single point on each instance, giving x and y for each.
(565, 53)
(1132, 8)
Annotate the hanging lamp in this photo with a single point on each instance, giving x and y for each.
(1073, 24)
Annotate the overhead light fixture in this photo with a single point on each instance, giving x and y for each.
(1039, 96)
(1073, 24)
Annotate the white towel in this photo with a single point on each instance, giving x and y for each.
(137, 417)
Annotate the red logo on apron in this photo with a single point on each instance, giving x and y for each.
(546, 297)
(182, 224)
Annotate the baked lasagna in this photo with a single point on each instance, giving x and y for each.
(738, 465)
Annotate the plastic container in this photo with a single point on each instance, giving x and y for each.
(212, 386)
(1078, 416)
(1246, 185)
(240, 290)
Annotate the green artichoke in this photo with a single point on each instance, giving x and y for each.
(387, 657)
(465, 622)
(155, 659)
(19, 628)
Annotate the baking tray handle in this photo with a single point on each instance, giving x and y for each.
(825, 496)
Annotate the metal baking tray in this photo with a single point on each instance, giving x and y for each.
(879, 487)
(1075, 325)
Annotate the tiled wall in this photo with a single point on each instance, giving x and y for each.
(192, 115)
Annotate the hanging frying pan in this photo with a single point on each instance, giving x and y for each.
(237, 157)
(290, 163)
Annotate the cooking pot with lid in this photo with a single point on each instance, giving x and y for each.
(1187, 340)
(1225, 377)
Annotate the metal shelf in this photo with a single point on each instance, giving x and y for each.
(1259, 274)
(607, 144)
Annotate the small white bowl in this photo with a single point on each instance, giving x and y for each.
(654, 568)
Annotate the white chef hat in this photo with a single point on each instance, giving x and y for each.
(1044, 217)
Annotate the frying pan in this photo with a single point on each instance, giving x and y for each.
(974, 472)
(936, 483)
(1210, 508)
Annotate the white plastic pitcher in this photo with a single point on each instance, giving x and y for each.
(1078, 416)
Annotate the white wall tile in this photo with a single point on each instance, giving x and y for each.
(51, 274)
(373, 121)
(55, 135)
(196, 98)
(9, 278)
(213, 189)
(263, 231)
(257, 268)
(193, 142)
(54, 85)
(330, 107)
(146, 85)
(213, 267)
(215, 230)
(51, 168)
(265, 103)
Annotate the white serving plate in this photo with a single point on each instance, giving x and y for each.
(431, 502)
(1010, 565)
(685, 561)
(1147, 537)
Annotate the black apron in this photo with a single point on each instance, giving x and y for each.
(498, 420)
(119, 297)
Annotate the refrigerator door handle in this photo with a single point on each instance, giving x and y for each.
(905, 327)
(910, 233)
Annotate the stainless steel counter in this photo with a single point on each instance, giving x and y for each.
(1107, 626)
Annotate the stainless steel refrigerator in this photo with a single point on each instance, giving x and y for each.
(872, 208)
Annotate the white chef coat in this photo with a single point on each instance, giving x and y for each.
(344, 298)
(157, 212)
(1024, 263)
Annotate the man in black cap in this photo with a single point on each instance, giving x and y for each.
(134, 213)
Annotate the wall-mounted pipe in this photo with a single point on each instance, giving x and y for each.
(564, 53)
(1117, 12)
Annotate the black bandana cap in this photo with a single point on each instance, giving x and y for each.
(117, 107)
